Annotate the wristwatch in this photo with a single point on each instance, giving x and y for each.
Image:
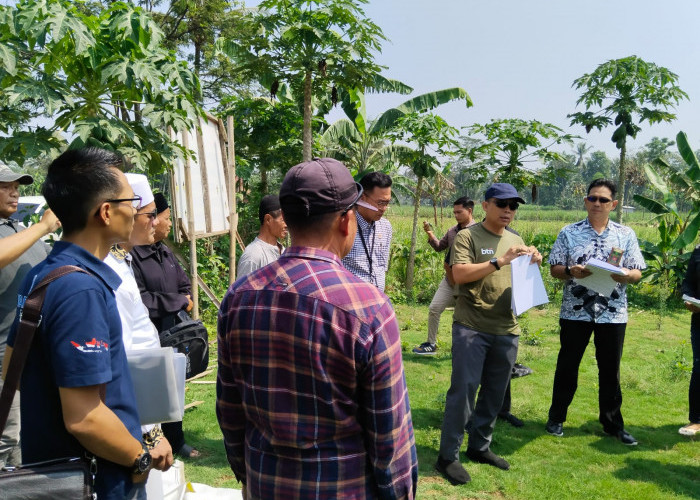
(494, 261)
(142, 462)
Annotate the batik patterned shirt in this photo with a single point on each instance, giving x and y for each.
(311, 392)
(575, 245)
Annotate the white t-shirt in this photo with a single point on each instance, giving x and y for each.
(256, 255)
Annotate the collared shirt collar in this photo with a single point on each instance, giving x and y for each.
(63, 249)
(607, 226)
(362, 223)
(310, 253)
(145, 251)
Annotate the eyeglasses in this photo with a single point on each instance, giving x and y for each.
(512, 204)
(602, 199)
(151, 215)
(135, 202)
(360, 190)
(380, 204)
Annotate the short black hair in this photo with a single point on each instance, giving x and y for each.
(605, 183)
(465, 202)
(76, 180)
(375, 179)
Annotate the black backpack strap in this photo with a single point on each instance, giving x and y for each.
(29, 320)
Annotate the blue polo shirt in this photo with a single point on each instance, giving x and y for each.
(78, 344)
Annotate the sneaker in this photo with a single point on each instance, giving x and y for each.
(520, 371)
(554, 428)
(625, 437)
(487, 457)
(511, 419)
(453, 471)
(689, 430)
(426, 349)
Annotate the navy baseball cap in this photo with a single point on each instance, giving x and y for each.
(502, 191)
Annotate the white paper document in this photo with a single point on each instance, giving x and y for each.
(600, 281)
(528, 287)
(692, 300)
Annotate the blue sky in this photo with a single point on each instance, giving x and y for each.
(518, 59)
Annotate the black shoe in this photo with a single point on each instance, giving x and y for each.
(520, 371)
(554, 428)
(453, 471)
(625, 437)
(425, 349)
(511, 419)
(487, 457)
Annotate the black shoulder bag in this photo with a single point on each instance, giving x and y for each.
(66, 478)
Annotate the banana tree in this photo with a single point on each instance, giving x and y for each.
(362, 144)
(668, 258)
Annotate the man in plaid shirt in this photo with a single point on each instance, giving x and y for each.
(311, 393)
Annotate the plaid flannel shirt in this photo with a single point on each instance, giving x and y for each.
(311, 393)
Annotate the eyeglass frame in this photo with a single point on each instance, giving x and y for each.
(360, 191)
(122, 200)
(151, 215)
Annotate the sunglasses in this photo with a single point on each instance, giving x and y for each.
(151, 215)
(360, 190)
(512, 204)
(602, 199)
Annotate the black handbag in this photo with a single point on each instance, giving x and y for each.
(65, 478)
(190, 337)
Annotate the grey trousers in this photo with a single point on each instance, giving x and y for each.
(9, 441)
(478, 359)
(444, 297)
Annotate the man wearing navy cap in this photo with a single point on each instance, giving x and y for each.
(311, 393)
(484, 333)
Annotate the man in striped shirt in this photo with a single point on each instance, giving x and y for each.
(311, 393)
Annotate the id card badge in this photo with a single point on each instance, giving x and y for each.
(615, 256)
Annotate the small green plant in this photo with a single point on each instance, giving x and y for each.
(680, 366)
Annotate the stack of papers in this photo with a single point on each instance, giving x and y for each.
(601, 280)
(527, 285)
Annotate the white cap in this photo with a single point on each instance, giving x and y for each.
(139, 183)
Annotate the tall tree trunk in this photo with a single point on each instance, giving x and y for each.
(411, 264)
(621, 182)
(263, 180)
(306, 151)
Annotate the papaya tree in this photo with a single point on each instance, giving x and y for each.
(626, 92)
(314, 46)
(80, 79)
(515, 150)
(433, 138)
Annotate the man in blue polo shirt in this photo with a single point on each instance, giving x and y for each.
(78, 395)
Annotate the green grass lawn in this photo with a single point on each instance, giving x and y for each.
(584, 464)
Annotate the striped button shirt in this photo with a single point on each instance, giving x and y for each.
(311, 393)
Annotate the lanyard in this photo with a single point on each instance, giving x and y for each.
(369, 252)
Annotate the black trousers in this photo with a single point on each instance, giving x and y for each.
(608, 339)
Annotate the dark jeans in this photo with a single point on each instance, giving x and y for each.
(608, 339)
(694, 391)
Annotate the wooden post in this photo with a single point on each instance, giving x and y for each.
(233, 210)
(191, 229)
